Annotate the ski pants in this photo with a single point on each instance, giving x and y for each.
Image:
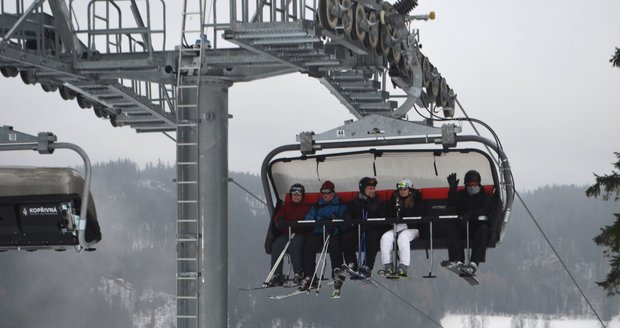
(295, 249)
(478, 240)
(350, 244)
(404, 237)
(313, 245)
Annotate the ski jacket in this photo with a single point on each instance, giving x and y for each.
(409, 206)
(326, 211)
(363, 207)
(470, 207)
(291, 212)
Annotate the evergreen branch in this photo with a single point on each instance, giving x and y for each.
(615, 59)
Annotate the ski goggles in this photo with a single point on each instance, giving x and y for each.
(326, 191)
(296, 191)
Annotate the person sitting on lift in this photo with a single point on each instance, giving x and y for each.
(327, 208)
(405, 202)
(365, 205)
(472, 204)
(292, 211)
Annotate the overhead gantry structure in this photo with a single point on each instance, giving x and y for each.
(111, 55)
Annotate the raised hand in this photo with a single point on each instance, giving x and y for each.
(453, 182)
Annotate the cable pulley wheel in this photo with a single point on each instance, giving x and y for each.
(396, 46)
(385, 32)
(360, 22)
(348, 18)
(327, 19)
(372, 37)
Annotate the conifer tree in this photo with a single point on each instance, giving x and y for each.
(615, 59)
(608, 186)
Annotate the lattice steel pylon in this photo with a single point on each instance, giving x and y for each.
(92, 52)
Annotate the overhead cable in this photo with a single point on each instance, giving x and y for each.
(406, 302)
(542, 232)
(246, 190)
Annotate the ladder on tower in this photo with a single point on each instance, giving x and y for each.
(189, 225)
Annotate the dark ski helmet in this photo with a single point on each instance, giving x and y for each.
(472, 175)
(367, 181)
(297, 188)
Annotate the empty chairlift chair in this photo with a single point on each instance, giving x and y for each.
(39, 207)
(44, 207)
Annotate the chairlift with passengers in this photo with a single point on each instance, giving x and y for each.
(45, 207)
(424, 154)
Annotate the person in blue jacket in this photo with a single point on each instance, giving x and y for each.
(327, 208)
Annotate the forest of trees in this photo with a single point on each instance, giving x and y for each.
(129, 280)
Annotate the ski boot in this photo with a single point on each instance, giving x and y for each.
(387, 270)
(297, 279)
(339, 278)
(365, 272)
(402, 271)
(277, 280)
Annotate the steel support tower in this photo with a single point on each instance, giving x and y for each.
(111, 55)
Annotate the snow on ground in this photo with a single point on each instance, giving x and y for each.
(533, 321)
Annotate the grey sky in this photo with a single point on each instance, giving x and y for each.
(536, 71)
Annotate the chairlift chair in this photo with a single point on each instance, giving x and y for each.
(45, 208)
(427, 160)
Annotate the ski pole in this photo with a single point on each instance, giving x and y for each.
(321, 256)
(275, 266)
(395, 244)
(468, 259)
(323, 265)
(430, 272)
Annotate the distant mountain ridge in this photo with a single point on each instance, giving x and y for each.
(129, 280)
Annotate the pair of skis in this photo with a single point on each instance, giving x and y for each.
(265, 286)
(319, 268)
(353, 275)
(463, 271)
(392, 276)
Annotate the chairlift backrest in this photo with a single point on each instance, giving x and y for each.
(427, 169)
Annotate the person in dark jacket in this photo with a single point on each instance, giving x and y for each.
(405, 202)
(293, 211)
(327, 208)
(473, 205)
(365, 205)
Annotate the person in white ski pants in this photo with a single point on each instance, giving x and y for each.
(406, 201)
(405, 236)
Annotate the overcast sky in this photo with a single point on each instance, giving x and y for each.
(538, 72)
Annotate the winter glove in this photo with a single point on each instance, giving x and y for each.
(280, 222)
(453, 181)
